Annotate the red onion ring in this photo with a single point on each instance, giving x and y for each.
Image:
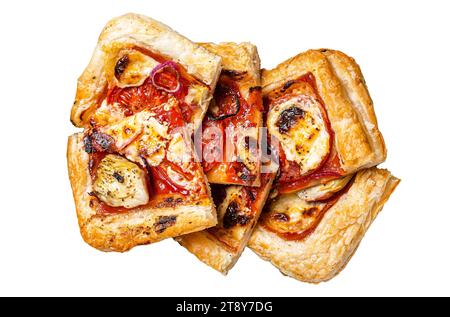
(159, 68)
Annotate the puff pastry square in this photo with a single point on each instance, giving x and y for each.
(133, 170)
(310, 235)
(230, 134)
(320, 111)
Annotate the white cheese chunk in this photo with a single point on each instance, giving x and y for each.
(135, 67)
(120, 183)
(324, 191)
(301, 130)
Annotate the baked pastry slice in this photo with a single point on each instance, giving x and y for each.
(320, 111)
(138, 61)
(231, 128)
(238, 209)
(138, 182)
(133, 170)
(310, 235)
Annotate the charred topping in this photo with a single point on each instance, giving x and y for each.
(98, 142)
(244, 173)
(310, 211)
(255, 88)
(250, 194)
(218, 193)
(278, 175)
(163, 223)
(233, 74)
(288, 118)
(103, 140)
(281, 217)
(287, 85)
(232, 216)
(118, 177)
(121, 65)
(227, 103)
(170, 202)
(88, 144)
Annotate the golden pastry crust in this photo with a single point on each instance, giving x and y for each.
(137, 30)
(325, 252)
(242, 60)
(220, 247)
(342, 88)
(122, 231)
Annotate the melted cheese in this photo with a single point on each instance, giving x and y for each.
(303, 137)
(300, 213)
(152, 141)
(248, 154)
(179, 151)
(324, 191)
(120, 183)
(108, 114)
(197, 94)
(125, 131)
(136, 70)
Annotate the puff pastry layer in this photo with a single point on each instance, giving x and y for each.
(324, 251)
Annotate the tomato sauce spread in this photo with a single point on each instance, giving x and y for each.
(229, 112)
(174, 80)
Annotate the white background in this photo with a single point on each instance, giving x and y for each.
(403, 49)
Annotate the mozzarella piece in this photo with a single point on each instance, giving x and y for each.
(197, 94)
(324, 191)
(108, 114)
(120, 183)
(296, 214)
(134, 68)
(179, 151)
(151, 143)
(301, 130)
(125, 131)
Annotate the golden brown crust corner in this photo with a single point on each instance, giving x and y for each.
(347, 101)
(208, 249)
(121, 232)
(135, 29)
(240, 57)
(324, 253)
